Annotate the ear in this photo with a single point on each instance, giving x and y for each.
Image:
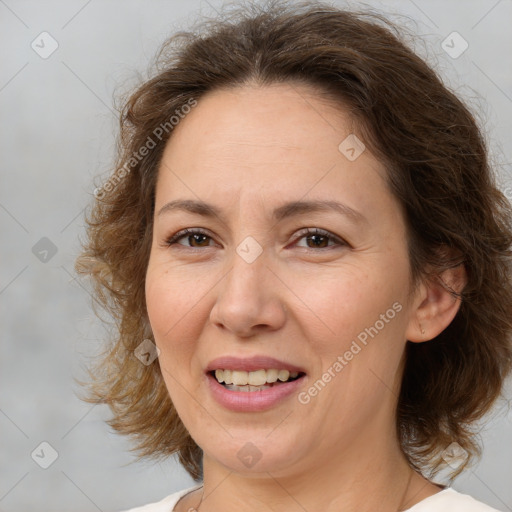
(435, 306)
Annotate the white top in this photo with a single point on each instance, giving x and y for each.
(447, 500)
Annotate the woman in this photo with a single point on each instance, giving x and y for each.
(309, 262)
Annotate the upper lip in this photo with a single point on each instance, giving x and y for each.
(250, 364)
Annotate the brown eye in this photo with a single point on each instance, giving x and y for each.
(193, 236)
(319, 239)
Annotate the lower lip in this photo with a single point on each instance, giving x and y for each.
(252, 401)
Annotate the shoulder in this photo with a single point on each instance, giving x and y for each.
(449, 500)
(165, 505)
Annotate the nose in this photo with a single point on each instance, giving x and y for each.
(249, 298)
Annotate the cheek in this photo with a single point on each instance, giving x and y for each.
(167, 311)
(359, 344)
(171, 295)
(347, 302)
(169, 305)
(159, 303)
(359, 317)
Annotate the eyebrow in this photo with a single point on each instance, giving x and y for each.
(287, 210)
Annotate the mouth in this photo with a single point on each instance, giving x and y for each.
(253, 384)
(254, 381)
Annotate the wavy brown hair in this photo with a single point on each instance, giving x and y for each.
(437, 166)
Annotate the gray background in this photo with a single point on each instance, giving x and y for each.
(56, 144)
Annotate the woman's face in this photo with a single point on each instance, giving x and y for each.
(254, 284)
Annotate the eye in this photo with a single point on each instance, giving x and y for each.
(320, 238)
(192, 235)
(199, 238)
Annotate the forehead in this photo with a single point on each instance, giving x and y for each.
(275, 139)
(284, 118)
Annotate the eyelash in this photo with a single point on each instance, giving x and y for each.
(303, 233)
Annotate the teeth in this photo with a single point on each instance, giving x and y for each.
(283, 375)
(240, 378)
(258, 378)
(272, 375)
(228, 376)
(231, 387)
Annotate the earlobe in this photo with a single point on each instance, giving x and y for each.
(438, 301)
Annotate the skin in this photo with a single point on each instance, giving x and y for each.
(247, 151)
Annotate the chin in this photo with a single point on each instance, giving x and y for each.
(252, 453)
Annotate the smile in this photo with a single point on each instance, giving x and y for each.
(252, 384)
(259, 380)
